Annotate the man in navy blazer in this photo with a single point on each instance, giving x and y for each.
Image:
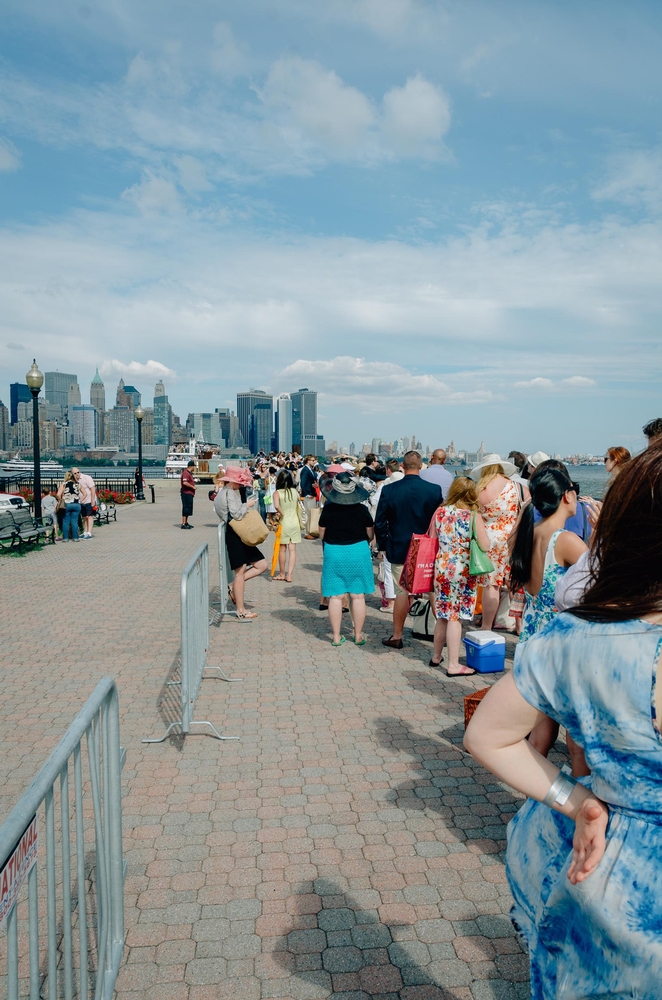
(404, 509)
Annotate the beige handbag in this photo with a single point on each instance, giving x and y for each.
(251, 528)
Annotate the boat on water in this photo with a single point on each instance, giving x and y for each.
(18, 464)
(205, 456)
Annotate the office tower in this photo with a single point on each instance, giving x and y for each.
(162, 416)
(121, 430)
(73, 395)
(56, 388)
(284, 423)
(376, 445)
(98, 393)
(4, 427)
(127, 395)
(255, 414)
(148, 425)
(18, 393)
(304, 421)
(229, 425)
(352, 448)
(84, 422)
(206, 427)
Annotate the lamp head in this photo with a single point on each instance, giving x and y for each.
(35, 379)
(139, 412)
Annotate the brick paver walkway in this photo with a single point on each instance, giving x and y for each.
(346, 846)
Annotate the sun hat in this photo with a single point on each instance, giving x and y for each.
(493, 459)
(345, 489)
(335, 467)
(537, 458)
(233, 474)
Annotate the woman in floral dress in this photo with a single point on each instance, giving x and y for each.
(454, 587)
(499, 506)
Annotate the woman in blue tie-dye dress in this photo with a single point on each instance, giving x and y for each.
(591, 912)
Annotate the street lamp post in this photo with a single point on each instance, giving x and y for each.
(35, 380)
(140, 413)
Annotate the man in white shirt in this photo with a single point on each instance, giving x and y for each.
(437, 472)
(88, 499)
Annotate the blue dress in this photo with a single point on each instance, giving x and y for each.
(541, 608)
(603, 937)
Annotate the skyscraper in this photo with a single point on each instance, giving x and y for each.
(255, 413)
(206, 427)
(304, 421)
(121, 427)
(84, 421)
(18, 393)
(162, 416)
(73, 395)
(4, 427)
(56, 388)
(229, 425)
(284, 423)
(98, 393)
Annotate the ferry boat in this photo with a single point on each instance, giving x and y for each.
(205, 456)
(178, 458)
(18, 464)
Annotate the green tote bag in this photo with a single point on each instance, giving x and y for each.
(479, 561)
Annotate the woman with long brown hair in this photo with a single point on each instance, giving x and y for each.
(593, 670)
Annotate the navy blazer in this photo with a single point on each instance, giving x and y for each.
(405, 508)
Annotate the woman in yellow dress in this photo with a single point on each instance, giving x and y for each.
(286, 502)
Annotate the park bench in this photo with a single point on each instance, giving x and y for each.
(105, 511)
(8, 530)
(29, 530)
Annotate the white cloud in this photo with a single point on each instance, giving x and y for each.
(228, 58)
(375, 384)
(10, 158)
(153, 195)
(135, 369)
(547, 385)
(634, 177)
(416, 117)
(318, 103)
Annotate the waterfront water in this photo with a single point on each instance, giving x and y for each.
(591, 478)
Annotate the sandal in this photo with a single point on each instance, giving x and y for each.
(361, 642)
(246, 616)
(342, 639)
(231, 594)
(433, 664)
(463, 673)
(393, 643)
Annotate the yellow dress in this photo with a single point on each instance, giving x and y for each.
(291, 529)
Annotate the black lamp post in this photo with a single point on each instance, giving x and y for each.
(140, 413)
(35, 380)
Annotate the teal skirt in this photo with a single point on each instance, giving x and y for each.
(347, 569)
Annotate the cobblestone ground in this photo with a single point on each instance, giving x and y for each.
(346, 846)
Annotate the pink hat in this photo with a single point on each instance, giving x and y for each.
(233, 474)
(336, 468)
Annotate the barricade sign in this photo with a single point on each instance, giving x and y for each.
(194, 607)
(16, 868)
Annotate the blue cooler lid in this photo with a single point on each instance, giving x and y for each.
(485, 638)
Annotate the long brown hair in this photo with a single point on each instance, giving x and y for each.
(463, 490)
(627, 548)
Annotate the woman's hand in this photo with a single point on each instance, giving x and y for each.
(589, 841)
(251, 502)
(593, 508)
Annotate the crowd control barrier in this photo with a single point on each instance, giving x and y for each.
(224, 573)
(194, 606)
(77, 950)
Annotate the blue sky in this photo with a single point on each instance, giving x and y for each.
(445, 217)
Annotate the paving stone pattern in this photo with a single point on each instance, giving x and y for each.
(346, 846)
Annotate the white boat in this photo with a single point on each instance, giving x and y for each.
(17, 464)
(179, 456)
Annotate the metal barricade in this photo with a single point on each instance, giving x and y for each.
(81, 950)
(224, 571)
(194, 607)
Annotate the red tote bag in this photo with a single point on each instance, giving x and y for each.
(418, 571)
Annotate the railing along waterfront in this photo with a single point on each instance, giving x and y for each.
(77, 950)
(194, 611)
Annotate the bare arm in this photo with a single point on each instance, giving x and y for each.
(370, 532)
(569, 548)
(276, 502)
(322, 532)
(481, 533)
(496, 738)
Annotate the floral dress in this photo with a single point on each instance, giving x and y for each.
(541, 608)
(600, 938)
(454, 588)
(499, 516)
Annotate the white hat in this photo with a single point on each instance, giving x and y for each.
(493, 459)
(536, 459)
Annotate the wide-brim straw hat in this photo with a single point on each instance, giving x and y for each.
(493, 459)
(233, 474)
(537, 459)
(345, 489)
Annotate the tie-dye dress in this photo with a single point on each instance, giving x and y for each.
(603, 937)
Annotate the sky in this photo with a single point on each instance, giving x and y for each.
(445, 217)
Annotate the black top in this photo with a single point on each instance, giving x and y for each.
(345, 523)
(307, 481)
(405, 508)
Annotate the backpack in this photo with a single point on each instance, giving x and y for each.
(424, 620)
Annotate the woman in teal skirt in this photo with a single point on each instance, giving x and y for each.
(346, 528)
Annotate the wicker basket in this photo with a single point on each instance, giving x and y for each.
(471, 703)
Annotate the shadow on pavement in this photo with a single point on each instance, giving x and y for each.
(344, 947)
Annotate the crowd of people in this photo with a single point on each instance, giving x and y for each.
(71, 506)
(570, 575)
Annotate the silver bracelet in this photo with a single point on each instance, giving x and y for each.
(560, 791)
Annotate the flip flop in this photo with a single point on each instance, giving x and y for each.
(467, 673)
(342, 640)
(361, 642)
(247, 616)
(433, 664)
